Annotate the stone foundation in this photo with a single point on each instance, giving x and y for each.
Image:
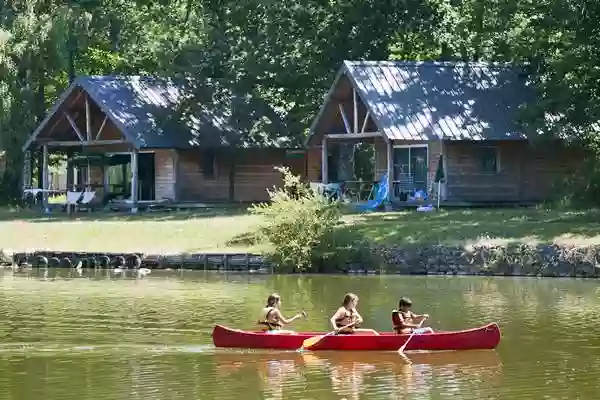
(511, 260)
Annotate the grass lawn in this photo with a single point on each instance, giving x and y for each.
(472, 226)
(213, 230)
(152, 233)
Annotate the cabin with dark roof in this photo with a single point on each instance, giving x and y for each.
(419, 114)
(124, 141)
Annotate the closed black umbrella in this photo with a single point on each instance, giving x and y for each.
(439, 172)
(439, 177)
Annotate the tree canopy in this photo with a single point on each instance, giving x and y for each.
(284, 54)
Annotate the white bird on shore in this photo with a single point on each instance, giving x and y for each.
(118, 270)
(22, 267)
(143, 272)
(79, 268)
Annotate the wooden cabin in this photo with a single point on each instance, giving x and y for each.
(413, 112)
(123, 139)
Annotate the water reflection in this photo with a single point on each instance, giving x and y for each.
(98, 336)
(355, 375)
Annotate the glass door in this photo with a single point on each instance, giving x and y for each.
(410, 170)
(419, 167)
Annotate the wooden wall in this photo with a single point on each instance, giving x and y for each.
(254, 173)
(165, 174)
(526, 173)
(313, 164)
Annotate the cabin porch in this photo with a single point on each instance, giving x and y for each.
(98, 162)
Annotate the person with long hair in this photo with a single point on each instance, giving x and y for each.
(272, 320)
(346, 318)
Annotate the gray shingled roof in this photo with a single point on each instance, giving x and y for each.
(433, 100)
(149, 112)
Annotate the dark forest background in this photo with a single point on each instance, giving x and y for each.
(285, 53)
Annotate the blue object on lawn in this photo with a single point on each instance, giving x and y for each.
(380, 196)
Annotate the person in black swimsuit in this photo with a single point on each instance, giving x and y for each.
(272, 320)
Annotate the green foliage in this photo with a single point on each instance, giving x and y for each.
(298, 222)
(282, 56)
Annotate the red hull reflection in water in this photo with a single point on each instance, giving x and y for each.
(353, 375)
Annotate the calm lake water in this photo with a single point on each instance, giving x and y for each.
(101, 336)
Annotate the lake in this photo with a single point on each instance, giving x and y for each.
(101, 336)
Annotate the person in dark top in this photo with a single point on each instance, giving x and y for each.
(405, 321)
(348, 315)
(272, 320)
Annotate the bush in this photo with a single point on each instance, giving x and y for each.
(301, 225)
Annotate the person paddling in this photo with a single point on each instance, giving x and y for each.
(272, 320)
(405, 321)
(348, 315)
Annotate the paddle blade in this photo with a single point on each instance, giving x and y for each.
(311, 341)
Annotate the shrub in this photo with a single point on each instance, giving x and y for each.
(298, 222)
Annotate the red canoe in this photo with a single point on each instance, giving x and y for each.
(485, 337)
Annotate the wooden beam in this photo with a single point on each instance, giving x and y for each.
(364, 135)
(77, 132)
(59, 119)
(134, 181)
(101, 127)
(364, 125)
(355, 110)
(69, 143)
(324, 165)
(27, 170)
(88, 118)
(63, 97)
(344, 118)
(45, 176)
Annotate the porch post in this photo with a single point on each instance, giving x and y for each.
(45, 176)
(26, 171)
(134, 181)
(88, 135)
(390, 169)
(355, 111)
(324, 166)
(88, 119)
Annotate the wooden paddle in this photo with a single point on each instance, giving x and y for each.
(311, 341)
(401, 349)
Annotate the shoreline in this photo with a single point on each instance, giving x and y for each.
(484, 260)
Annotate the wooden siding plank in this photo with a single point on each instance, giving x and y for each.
(255, 174)
(164, 173)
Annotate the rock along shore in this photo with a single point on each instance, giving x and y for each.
(510, 260)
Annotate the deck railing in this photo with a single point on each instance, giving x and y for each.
(357, 191)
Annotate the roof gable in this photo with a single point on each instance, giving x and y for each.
(440, 100)
(153, 112)
(146, 107)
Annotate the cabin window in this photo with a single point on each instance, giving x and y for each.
(490, 160)
(208, 165)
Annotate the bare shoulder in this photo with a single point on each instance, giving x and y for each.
(276, 312)
(339, 311)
